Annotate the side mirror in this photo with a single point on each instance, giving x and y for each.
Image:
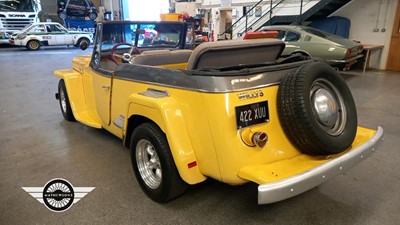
(83, 45)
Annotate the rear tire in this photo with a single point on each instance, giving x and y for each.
(316, 110)
(92, 15)
(62, 15)
(64, 102)
(82, 41)
(33, 45)
(154, 165)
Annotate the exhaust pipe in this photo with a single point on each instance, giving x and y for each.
(260, 139)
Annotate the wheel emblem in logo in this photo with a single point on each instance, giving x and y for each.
(58, 194)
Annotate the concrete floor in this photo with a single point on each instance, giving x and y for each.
(37, 144)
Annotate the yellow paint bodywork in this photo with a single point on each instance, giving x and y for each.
(175, 66)
(79, 91)
(167, 113)
(200, 127)
(301, 163)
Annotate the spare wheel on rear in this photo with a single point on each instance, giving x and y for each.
(316, 110)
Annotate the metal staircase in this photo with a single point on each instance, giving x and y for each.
(282, 12)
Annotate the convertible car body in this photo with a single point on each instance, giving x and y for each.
(233, 111)
(337, 51)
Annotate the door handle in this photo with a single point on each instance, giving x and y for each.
(106, 87)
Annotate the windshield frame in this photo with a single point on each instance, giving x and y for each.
(111, 33)
(143, 29)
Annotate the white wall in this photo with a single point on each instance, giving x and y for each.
(189, 7)
(363, 15)
(149, 10)
(211, 2)
(113, 7)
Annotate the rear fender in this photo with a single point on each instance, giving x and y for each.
(302, 52)
(165, 112)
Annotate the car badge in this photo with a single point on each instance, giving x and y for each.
(16, 15)
(250, 94)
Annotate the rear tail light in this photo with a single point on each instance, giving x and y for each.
(355, 50)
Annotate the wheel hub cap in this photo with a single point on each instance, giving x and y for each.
(148, 164)
(63, 101)
(326, 107)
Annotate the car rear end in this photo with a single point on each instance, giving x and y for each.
(349, 56)
(250, 144)
(252, 134)
(347, 51)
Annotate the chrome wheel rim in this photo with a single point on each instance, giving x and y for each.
(328, 106)
(148, 164)
(63, 101)
(62, 15)
(34, 44)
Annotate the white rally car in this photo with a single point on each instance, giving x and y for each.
(49, 33)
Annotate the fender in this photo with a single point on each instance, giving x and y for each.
(73, 83)
(32, 38)
(300, 52)
(165, 112)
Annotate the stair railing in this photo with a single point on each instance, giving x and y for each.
(269, 12)
(245, 16)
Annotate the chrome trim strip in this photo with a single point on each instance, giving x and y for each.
(292, 186)
(345, 60)
(203, 90)
(119, 121)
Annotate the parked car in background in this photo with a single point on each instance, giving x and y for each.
(17, 14)
(76, 8)
(3, 37)
(47, 34)
(337, 51)
(234, 111)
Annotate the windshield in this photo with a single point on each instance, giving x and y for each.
(17, 5)
(143, 35)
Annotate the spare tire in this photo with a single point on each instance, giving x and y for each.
(316, 110)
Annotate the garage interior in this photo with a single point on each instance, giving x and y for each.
(37, 144)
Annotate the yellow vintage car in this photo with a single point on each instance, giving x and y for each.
(233, 111)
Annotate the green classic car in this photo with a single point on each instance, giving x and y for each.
(337, 51)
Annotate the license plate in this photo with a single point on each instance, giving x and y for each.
(248, 115)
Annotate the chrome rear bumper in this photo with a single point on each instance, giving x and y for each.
(352, 59)
(292, 186)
